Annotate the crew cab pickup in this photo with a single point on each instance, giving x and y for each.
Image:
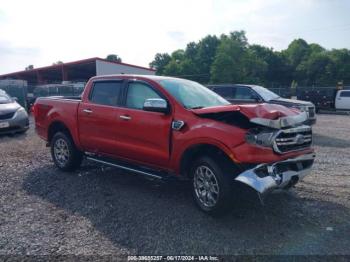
(165, 127)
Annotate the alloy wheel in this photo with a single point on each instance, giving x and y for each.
(61, 152)
(206, 186)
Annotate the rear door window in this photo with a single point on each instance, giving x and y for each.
(225, 91)
(106, 93)
(244, 93)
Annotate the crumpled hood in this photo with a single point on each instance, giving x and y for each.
(271, 115)
(9, 108)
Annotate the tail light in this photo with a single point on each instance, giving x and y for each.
(34, 110)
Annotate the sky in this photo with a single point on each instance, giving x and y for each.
(41, 32)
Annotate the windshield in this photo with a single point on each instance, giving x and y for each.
(191, 94)
(5, 99)
(266, 94)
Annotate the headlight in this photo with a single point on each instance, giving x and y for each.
(302, 108)
(21, 112)
(263, 138)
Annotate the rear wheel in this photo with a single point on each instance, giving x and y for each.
(212, 188)
(64, 153)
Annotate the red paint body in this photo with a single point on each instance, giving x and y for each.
(149, 139)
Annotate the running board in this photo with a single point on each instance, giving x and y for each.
(125, 167)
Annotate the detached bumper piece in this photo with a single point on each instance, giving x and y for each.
(284, 174)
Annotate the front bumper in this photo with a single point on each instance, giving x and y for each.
(19, 123)
(283, 174)
(310, 121)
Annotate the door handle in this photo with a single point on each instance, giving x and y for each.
(88, 111)
(125, 117)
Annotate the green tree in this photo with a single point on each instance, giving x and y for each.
(226, 67)
(278, 71)
(206, 51)
(193, 63)
(113, 58)
(319, 69)
(180, 65)
(229, 58)
(57, 63)
(30, 67)
(159, 62)
(297, 51)
(234, 62)
(254, 69)
(341, 60)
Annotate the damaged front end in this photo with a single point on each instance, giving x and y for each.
(280, 175)
(275, 127)
(284, 135)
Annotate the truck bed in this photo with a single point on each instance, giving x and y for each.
(58, 107)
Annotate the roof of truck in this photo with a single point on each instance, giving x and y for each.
(152, 77)
(230, 85)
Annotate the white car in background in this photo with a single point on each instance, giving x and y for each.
(342, 100)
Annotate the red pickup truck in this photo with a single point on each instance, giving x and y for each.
(166, 127)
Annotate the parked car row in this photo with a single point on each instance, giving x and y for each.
(16, 88)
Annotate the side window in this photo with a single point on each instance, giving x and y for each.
(106, 93)
(244, 93)
(226, 92)
(345, 94)
(138, 93)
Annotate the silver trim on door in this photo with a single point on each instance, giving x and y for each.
(89, 111)
(125, 117)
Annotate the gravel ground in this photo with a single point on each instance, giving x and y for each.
(99, 210)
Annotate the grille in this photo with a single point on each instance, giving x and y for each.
(293, 139)
(6, 116)
(9, 129)
(311, 112)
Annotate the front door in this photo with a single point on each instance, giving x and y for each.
(143, 136)
(97, 117)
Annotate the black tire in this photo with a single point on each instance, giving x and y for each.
(224, 187)
(64, 153)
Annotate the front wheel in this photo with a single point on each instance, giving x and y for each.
(212, 188)
(64, 153)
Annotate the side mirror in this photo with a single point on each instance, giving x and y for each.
(14, 99)
(156, 105)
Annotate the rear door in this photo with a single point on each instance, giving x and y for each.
(237, 94)
(143, 136)
(343, 100)
(97, 118)
(226, 92)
